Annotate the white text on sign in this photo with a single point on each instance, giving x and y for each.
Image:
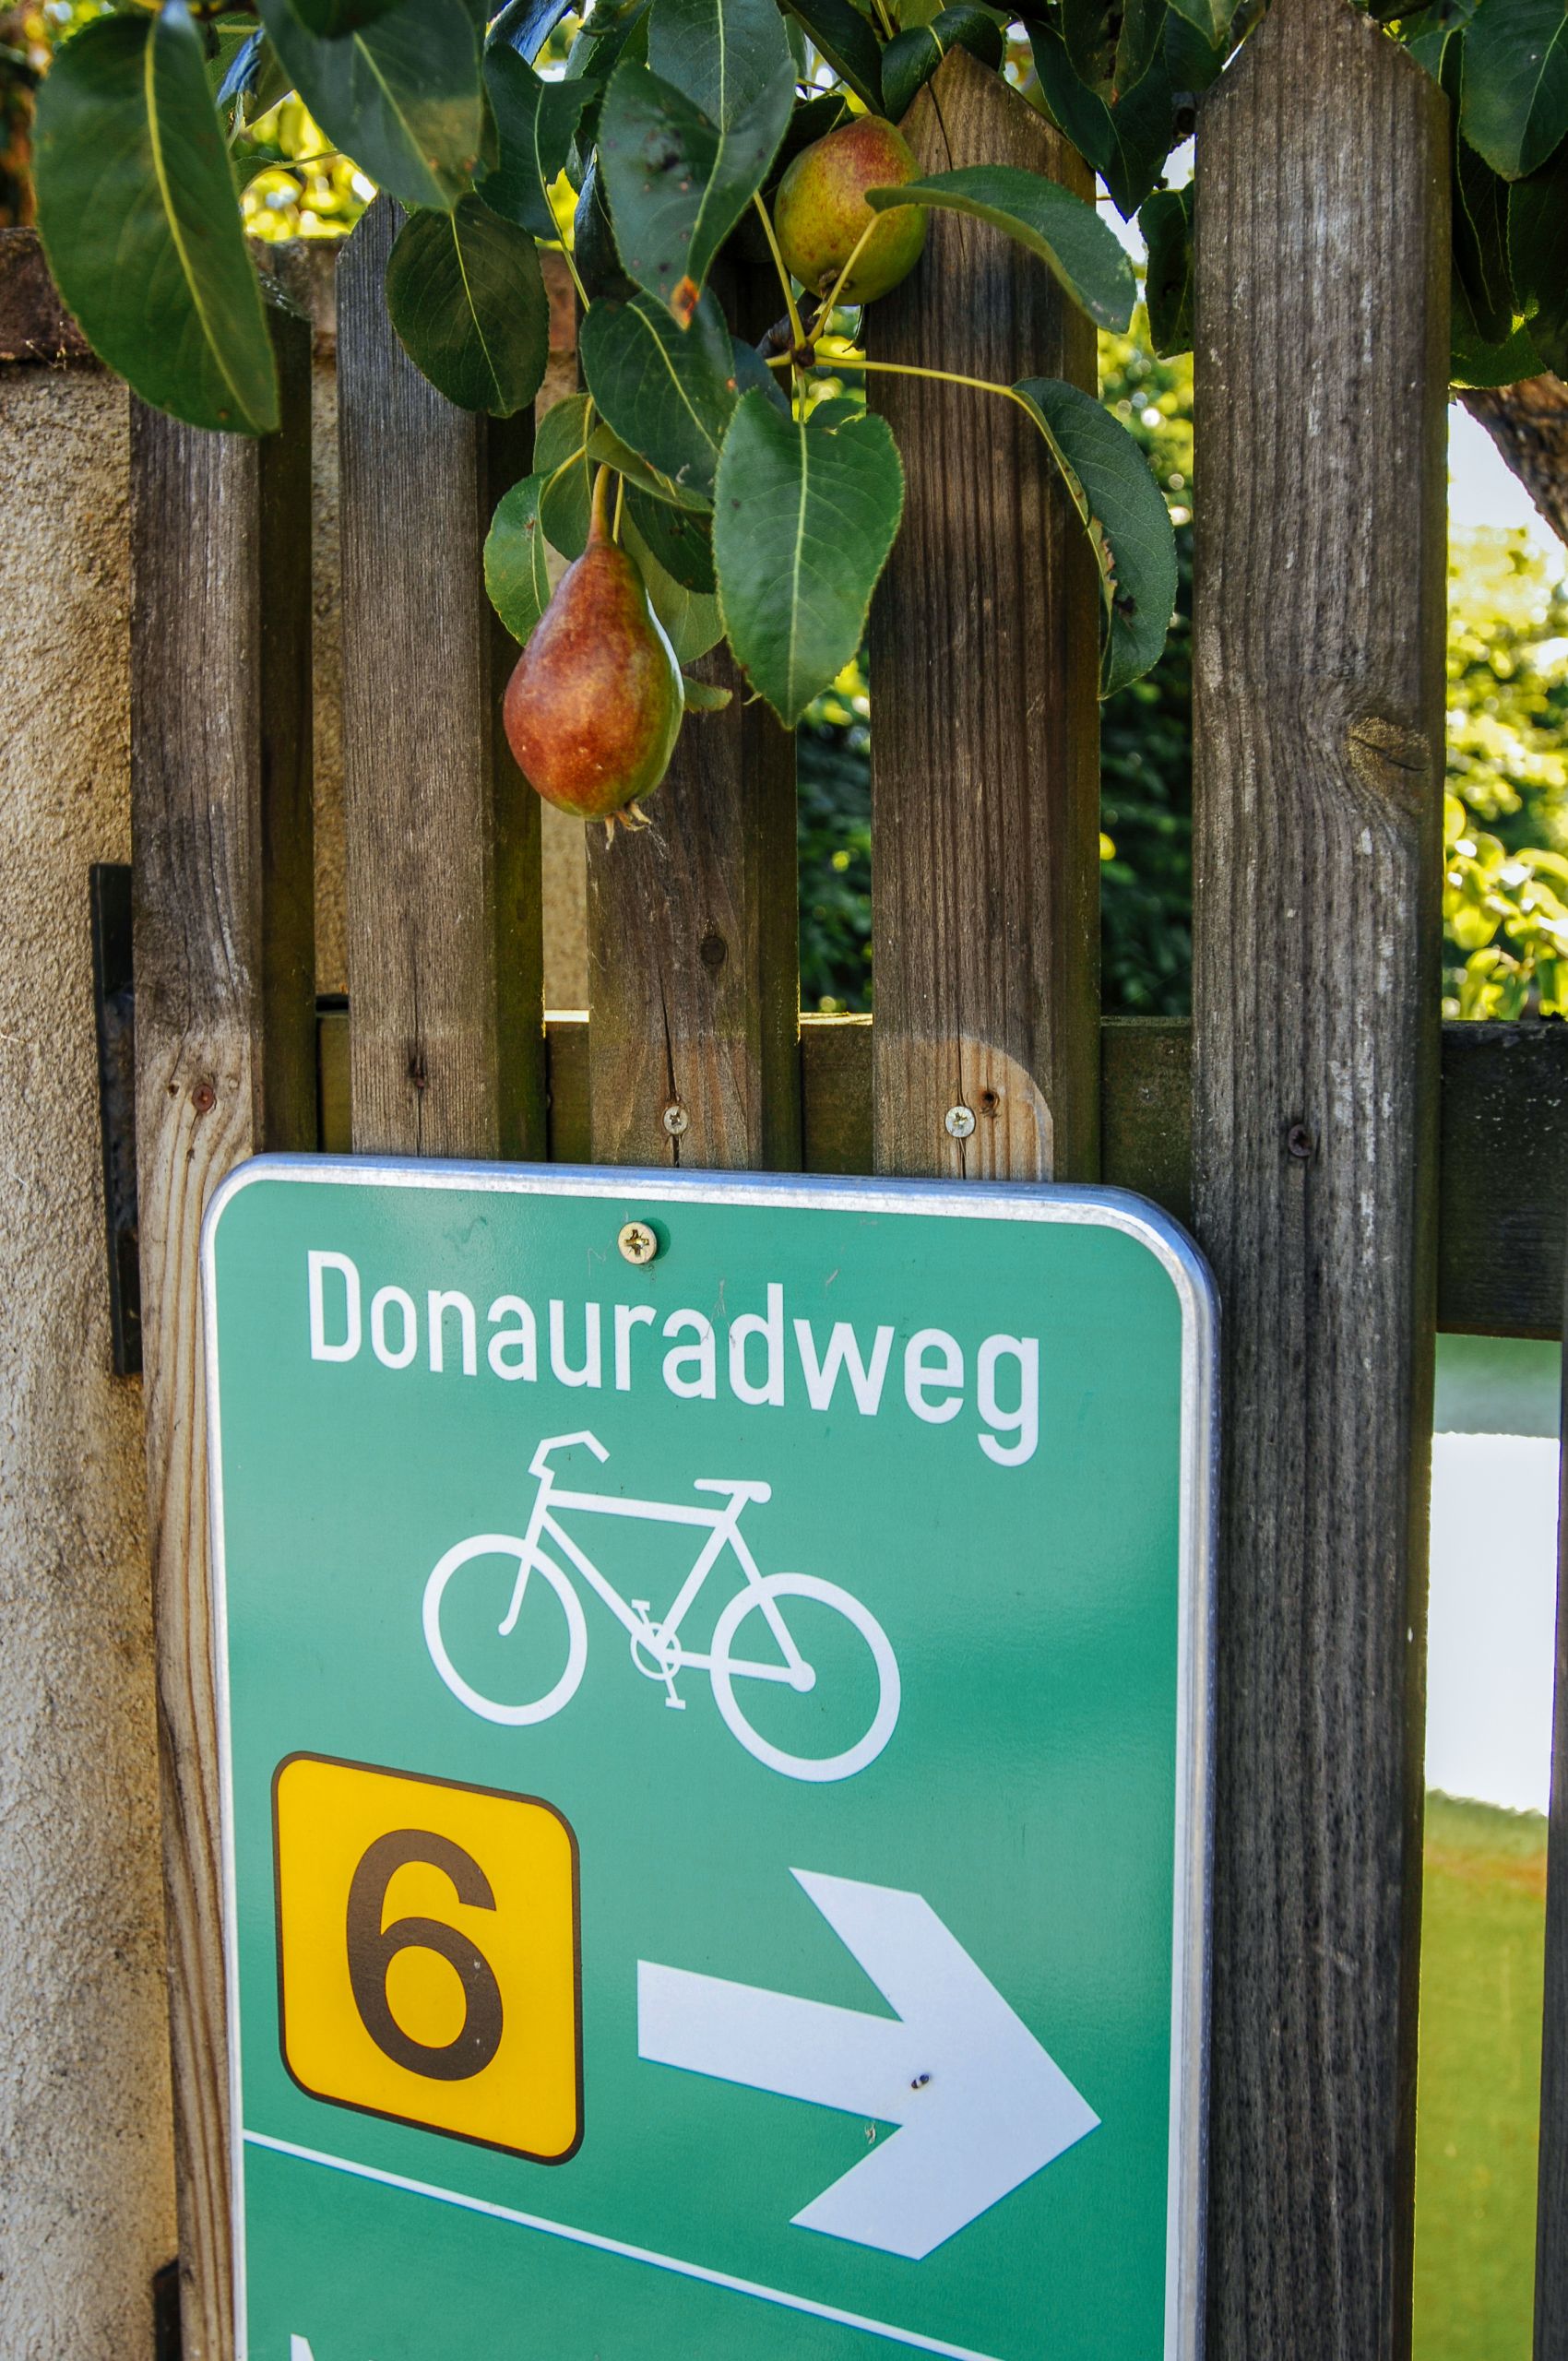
(768, 1357)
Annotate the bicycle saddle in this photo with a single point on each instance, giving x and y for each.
(740, 1488)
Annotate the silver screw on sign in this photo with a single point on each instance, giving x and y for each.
(960, 1121)
(637, 1243)
(676, 1119)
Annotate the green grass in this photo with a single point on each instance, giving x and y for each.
(1478, 2097)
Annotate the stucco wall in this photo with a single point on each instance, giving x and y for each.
(86, 2170)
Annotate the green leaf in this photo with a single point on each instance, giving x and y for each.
(254, 81)
(847, 42)
(1126, 520)
(593, 240)
(1166, 221)
(666, 391)
(467, 297)
(1127, 143)
(606, 449)
(804, 519)
(913, 57)
(537, 121)
(1516, 104)
(1479, 213)
(702, 696)
(1068, 235)
(1537, 249)
(525, 25)
(752, 375)
(402, 98)
(330, 19)
(724, 56)
(137, 213)
(1476, 360)
(690, 622)
(1144, 26)
(561, 456)
(516, 573)
(1209, 18)
(1192, 64)
(1428, 43)
(677, 180)
(681, 542)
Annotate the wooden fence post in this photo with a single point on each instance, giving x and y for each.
(694, 936)
(221, 812)
(446, 956)
(985, 788)
(1321, 365)
(1551, 2207)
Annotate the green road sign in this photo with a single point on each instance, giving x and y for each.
(714, 1691)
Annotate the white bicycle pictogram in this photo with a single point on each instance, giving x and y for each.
(656, 1648)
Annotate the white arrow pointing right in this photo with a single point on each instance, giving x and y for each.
(981, 2105)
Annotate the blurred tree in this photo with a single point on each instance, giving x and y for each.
(20, 63)
(1145, 730)
(832, 772)
(1505, 898)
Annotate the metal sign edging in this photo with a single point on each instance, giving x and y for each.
(1113, 1208)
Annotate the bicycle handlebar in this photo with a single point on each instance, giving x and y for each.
(564, 1442)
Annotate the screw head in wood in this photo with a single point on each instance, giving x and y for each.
(637, 1243)
(676, 1119)
(960, 1121)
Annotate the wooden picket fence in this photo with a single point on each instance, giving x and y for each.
(1297, 1124)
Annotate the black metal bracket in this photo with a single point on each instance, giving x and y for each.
(166, 2312)
(114, 1001)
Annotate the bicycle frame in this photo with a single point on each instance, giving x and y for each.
(722, 1526)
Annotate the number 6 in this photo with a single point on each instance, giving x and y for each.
(373, 1948)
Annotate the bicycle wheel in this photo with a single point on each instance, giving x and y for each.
(726, 1672)
(504, 1545)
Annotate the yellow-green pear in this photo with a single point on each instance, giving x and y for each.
(820, 212)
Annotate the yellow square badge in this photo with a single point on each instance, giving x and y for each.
(428, 1959)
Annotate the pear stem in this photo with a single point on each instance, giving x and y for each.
(619, 503)
(582, 297)
(796, 329)
(599, 527)
(831, 299)
(908, 369)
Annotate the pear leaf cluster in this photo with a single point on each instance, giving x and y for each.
(674, 148)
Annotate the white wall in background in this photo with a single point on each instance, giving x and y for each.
(1492, 1617)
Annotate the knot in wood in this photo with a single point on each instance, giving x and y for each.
(713, 949)
(1394, 760)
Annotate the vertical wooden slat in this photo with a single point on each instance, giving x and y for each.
(220, 786)
(1552, 2209)
(693, 939)
(445, 950)
(1321, 361)
(984, 775)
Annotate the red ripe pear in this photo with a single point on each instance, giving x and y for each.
(594, 706)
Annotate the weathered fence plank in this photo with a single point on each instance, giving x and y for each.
(220, 787)
(1322, 362)
(694, 938)
(1552, 2206)
(446, 958)
(1505, 1177)
(985, 791)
